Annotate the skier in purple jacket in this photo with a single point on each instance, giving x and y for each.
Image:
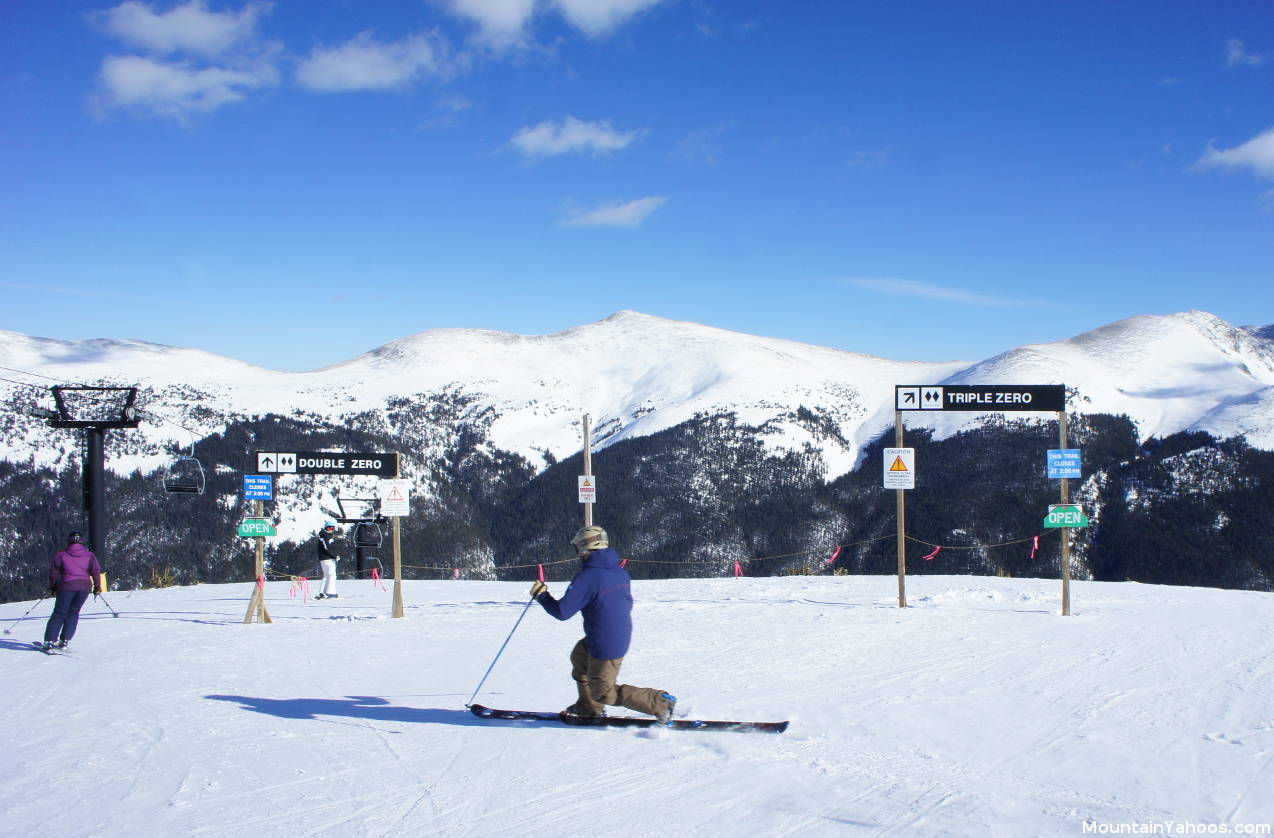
(72, 574)
(602, 592)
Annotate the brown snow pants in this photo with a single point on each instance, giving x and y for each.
(595, 680)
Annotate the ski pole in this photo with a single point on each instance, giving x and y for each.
(114, 613)
(469, 703)
(9, 630)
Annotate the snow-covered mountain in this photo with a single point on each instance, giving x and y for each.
(714, 446)
(635, 375)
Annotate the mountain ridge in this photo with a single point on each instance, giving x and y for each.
(637, 374)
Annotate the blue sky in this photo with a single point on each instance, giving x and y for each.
(294, 183)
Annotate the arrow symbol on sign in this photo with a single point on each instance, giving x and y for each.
(268, 462)
(909, 396)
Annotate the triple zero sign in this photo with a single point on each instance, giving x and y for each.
(981, 397)
(900, 468)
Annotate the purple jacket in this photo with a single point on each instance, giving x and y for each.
(70, 570)
(602, 590)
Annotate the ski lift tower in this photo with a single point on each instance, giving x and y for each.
(96, 410)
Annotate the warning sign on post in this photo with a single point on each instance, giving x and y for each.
(394, 497)
(587, 488)
(900, 468)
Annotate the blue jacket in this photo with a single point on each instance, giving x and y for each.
(603, 591)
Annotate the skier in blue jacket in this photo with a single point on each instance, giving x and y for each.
(602, 591)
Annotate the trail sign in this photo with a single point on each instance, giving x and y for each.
(1064, 463)
(258, 487)
(1065, 515)
(587, 488)
(900, 468)
(981, 397)
(328, 462)
(255, 527)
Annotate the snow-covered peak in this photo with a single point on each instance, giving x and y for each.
(635, 374)
(1263, 332)
(1167, 372)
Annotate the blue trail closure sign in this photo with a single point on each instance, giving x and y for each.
(258, 487)
(1064, 463)
(980, 397)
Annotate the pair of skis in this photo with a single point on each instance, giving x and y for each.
(626, 721)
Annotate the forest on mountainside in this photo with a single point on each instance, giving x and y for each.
(693, 500)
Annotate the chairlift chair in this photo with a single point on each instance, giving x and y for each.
(184, 475)
(367, 534)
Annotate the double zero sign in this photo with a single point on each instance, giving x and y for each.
(378, 464)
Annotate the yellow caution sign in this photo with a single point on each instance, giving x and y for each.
(900, 468)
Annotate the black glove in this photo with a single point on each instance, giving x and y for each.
(53, 589)
(538, 588)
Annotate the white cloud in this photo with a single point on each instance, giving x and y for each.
(502, 23)
(868, 159)
(366, 64)
(925, 290)
(600, 17)
(186, 28)
(571, 135)
(1256, 154)
(174, 88)
(1236, 55)
(702, 145)
(630, 214)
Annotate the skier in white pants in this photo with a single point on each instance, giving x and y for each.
(327, 560)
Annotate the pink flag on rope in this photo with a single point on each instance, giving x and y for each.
(377, 581)
(835, 555)
(738, 570)
(456, 575)
(261, 582)
(935, 552)
(623, 562)
(1035, 545)
(541, 567)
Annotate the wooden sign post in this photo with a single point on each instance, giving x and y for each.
(398, 550)
(984, 398)
(588, 465)
(256, 605)
(1066, 533)
(901, 506)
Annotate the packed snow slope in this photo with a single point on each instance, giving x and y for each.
(978, 711)
(635, 375)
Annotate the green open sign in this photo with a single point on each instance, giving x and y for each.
(1065, 515)
(256, 527)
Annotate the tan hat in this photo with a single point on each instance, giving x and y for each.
(589, 539)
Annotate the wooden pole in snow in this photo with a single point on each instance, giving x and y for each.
(398, 552)
(1066, 533)
(902, 521)
(588, 465)
(256, 605)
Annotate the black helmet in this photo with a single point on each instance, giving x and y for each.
(74, 537)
